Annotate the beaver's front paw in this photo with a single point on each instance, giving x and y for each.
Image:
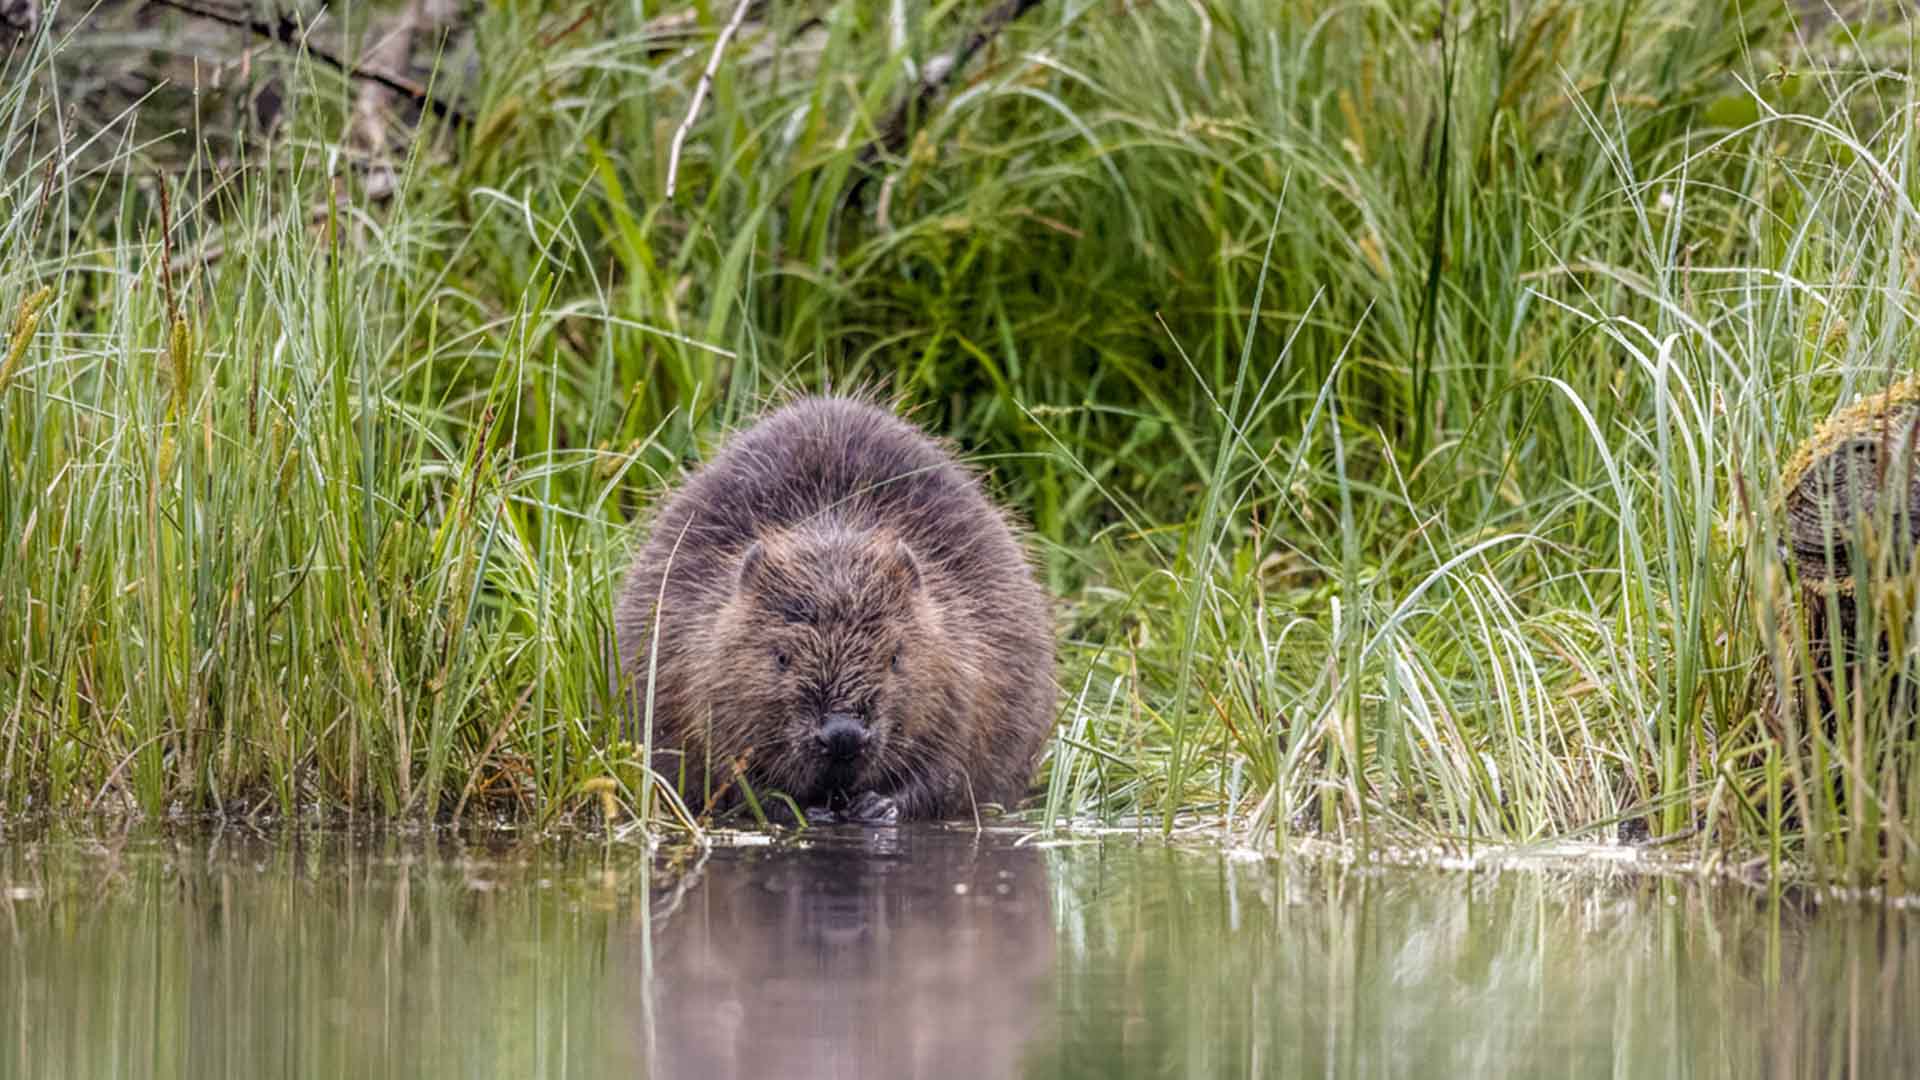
(873, 808)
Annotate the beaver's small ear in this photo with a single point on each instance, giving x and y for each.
(753, 567)
(902, 566)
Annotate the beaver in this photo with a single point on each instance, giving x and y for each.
(842, 615)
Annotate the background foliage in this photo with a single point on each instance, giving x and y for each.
(1397, 393)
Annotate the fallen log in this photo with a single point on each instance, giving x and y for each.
(1850, 521)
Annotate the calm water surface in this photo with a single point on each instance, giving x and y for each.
(902, 953)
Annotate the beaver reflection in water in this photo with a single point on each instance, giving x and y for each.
(882, 953)
(833, 609)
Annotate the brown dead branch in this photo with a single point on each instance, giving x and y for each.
(394, 52)
(934, 77)
(286, 32)
(938, 73)
(700, 93)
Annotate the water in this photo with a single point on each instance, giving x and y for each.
(914, 953)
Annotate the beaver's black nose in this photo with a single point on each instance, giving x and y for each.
(843, 735)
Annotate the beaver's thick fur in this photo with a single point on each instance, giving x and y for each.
(842, 615)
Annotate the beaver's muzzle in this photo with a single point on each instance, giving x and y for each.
(843, 735)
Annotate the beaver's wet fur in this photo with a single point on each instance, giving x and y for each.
(843, 616)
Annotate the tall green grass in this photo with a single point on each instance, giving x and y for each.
(1430, 501)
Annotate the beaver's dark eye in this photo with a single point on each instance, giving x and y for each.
(782, 660)
(895, 662)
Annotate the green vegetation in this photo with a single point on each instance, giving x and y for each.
(1399, 393)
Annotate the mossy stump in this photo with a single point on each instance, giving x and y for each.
(1850, 523)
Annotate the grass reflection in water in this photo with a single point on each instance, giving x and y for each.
(913, 953)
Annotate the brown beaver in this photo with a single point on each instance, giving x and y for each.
(843, 617)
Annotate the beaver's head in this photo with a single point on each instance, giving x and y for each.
(836, 664)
